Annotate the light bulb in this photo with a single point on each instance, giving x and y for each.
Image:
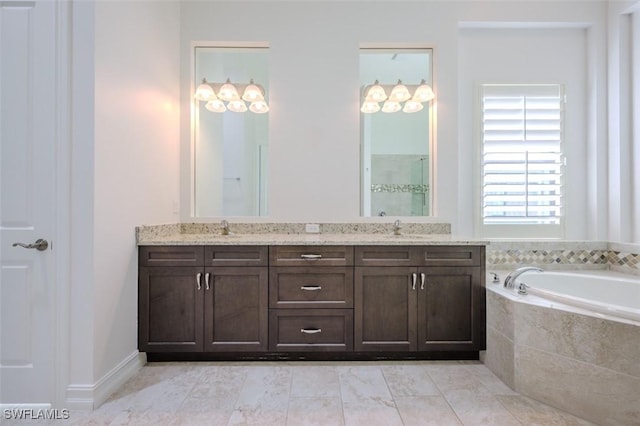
(204, 92)
(424, 93)
(237, 106)
(259, 107)
(228, 92)
(391, 106)
(369, 107)
(252, 93)
(216, 105)
(412, 106)
(399, 93)
(376, 93)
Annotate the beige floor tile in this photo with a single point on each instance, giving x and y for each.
(533, 413)
(409, 380)
(315, 412)
(474, 408)
(426, 411)
(318, 393)
(314, 381)
(264, 397)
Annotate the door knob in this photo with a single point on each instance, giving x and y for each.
(40, 245)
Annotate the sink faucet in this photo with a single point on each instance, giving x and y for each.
(397, 227)
(225, 227)
(511, 278)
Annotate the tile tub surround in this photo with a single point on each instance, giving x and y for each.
(564, 255)
(579, 363)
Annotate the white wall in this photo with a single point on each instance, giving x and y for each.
(624, 121)
(527, 56)
(314, 147)
(136, 147)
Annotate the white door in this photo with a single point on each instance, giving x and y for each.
(27, 182)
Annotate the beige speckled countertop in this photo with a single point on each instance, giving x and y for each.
(209, 234)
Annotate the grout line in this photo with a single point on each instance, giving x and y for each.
(393, 397)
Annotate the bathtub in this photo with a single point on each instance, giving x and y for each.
(572, 342)
(613, 295)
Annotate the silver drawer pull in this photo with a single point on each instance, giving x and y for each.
(206, 280)
(414, 278)
(311, 287)
(310, 330)
(199, 280)
(422, 278)
(311, 256)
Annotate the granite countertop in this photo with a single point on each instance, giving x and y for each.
(210, 234)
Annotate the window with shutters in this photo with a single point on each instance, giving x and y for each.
(522, 161)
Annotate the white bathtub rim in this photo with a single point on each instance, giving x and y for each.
(584, 308)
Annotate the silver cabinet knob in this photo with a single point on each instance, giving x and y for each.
(40, 245)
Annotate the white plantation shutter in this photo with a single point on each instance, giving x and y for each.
(522, 163)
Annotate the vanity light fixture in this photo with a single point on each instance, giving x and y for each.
(408, 98)
(220, 97)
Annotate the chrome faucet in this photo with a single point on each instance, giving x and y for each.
(225, 227)
(397, 227)
(511, 278)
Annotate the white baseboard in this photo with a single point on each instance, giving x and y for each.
(88, 397)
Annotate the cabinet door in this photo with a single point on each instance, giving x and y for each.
(385, 309)
(450, 309)
(235, 309)
(170, 309)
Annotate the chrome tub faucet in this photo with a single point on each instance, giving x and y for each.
(510, 280)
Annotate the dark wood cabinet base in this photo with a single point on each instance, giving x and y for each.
(313, 356)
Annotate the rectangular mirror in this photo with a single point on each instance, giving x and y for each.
(395, 129)
(230, 138)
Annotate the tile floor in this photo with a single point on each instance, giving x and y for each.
(319, 393)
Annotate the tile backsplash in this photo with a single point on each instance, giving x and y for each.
(582, 255)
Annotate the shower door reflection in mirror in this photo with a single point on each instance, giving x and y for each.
(396, 128)
(230, 148)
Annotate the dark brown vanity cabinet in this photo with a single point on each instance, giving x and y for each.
(419, 298)
(202, 299)
(311, 299)
(362, 300)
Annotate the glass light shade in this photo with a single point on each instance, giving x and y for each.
(216, 105)
(424, 93)
(391, 106)
(237, 106)
(369, 107)
(204, 92)
(376, 93)
(259, 107)
(412, 106)
(399, 93)
(252, 93)
(228, 92)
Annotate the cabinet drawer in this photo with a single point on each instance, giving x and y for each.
(171, 256)
(311, 287)
(236, 255)
(310, 255)
(451, 255)
(385, 256)
(311, 330)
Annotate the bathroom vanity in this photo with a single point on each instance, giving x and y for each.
(309, 297)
